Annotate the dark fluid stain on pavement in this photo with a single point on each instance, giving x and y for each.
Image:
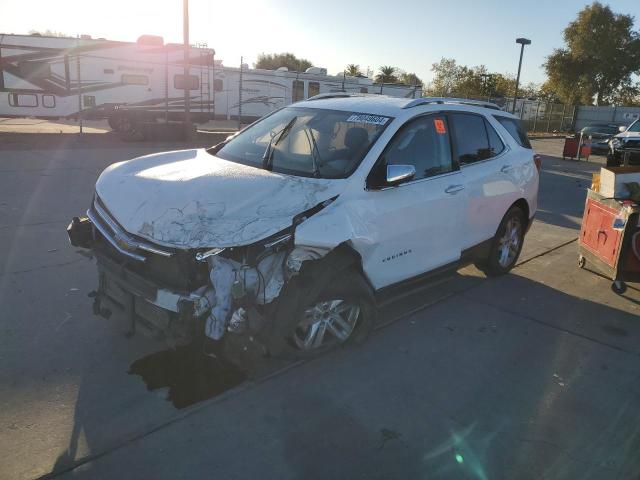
(618, 332)
(190, 375)
(388, 435)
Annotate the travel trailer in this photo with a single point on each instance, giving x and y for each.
(143, 81)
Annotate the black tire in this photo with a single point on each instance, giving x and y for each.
(581, 261)
(619, 287)
(289, 316)
(113, 123)
(119, 122)
(494, 265)
(131, 129)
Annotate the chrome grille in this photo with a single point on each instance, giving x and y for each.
(119, 239)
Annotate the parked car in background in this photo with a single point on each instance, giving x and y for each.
(292, 229)
(600, 134)
(628, 139)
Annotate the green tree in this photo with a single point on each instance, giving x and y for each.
(273, 61)
(453, 80)
(503, 85)
(387, 74)
(353, 70)
(410, 79)
(447, 77)
(602, 53)
(49, 33)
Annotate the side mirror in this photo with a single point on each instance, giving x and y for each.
(622, 128)
(399, 173)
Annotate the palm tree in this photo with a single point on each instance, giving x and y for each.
(387, 74)
(353, 70)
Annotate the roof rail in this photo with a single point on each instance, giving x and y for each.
(443, 100)
(322, 96)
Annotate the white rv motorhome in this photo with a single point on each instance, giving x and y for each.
(143, 81)
(52, 77)
(264, 91)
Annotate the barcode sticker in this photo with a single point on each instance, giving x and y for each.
(370, 119)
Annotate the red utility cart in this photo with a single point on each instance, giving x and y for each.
(610, 239)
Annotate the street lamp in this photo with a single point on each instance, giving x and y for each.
(186, 84)
(523, 42)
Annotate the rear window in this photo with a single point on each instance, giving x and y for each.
(514, 127)
(609, 129)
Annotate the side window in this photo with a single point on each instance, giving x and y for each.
(515, 129)
(48, 101)
(470, 138)
(23, 100)
(364, 90)
(298, 91)
(89, 101)
(130, 79)
(495, 143)
(217, 85)
(314, 89)
(423, 143)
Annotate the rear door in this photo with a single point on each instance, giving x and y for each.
(487, 168)
(414, 227)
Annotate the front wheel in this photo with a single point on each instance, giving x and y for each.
(507, 243)
(313, 320)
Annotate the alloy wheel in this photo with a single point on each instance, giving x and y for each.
(325, 323)
(509, 243)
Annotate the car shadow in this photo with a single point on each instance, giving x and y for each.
(497, 378)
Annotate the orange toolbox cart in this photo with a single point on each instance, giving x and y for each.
(610, 235)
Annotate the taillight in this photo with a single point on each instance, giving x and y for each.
(537, 159)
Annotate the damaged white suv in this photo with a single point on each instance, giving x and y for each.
(292, 229)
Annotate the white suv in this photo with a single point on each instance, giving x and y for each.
(292, 229)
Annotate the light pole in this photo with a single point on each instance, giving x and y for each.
(186, 82)
(522, 42)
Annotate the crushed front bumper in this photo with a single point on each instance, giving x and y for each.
(148, 308)
(145, 305)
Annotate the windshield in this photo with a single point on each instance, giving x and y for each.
(307, 142)
(634, 127)
(608, 129)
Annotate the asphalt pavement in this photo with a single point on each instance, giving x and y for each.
(527, 376)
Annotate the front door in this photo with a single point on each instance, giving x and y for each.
(415, 227)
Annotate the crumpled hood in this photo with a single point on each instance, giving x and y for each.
(191, 199)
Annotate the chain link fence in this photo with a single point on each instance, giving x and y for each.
(538, 116)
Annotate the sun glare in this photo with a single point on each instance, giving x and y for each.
(245, 27)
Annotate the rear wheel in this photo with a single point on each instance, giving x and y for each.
(507, 243)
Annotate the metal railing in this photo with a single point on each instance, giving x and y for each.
(537, 116)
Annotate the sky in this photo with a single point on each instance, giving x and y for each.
(411, 35)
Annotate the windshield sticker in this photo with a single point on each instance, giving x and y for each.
(439, 124)
(370, 119)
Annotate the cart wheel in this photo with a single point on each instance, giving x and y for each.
(619, 287)
(581, 261)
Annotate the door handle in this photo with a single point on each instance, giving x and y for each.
(505, 168)
(453, 189)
